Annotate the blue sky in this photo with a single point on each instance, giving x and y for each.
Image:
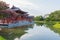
(36, 7)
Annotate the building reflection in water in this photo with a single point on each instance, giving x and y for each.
(14, 33)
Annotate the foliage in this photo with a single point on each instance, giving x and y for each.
(57, 25)
(1, 38)
(3, 5)
(38, 18)
(54, 16)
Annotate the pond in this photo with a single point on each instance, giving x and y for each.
(38, 31)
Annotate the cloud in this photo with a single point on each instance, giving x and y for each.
(25, 5)
(36, 7)
(22, 3)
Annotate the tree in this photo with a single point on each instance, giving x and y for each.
(54, 16)
(3, 5)
(38, 18)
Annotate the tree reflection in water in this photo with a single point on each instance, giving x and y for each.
(12, 33)
(50, 26)
(39, 24)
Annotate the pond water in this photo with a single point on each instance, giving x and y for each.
(31, 32)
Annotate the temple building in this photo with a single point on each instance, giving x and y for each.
(14, 16)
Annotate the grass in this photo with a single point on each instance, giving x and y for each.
(57, 25)
(1, 38)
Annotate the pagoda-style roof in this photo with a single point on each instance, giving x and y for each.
(18, 10)
(15, 8)
(13, 12)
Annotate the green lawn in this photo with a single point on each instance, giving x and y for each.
(57, 25)
(1, 38)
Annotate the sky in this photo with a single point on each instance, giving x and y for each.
(36, 7)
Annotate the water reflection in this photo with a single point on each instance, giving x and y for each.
(50, 26)
(11, 34)
(38, 31)
(39, 24)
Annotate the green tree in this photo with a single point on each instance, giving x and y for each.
(3, 5)
(54, 16)
(38, 18)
